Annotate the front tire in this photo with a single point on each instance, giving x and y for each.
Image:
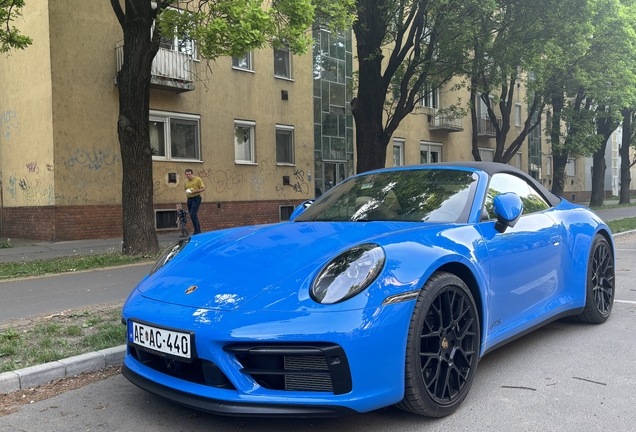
(442, 347)
(600, 283)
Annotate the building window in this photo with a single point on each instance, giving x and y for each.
(487, 155)
(518, 160)
(430, 97)
(165, 219)
(430, 153)
(284, 212)
(548, 165)
(181, 42)
(518, 114)
(398, 152)
(282, 62)
(571, 168)
(284, 144)
(174, 136)
(244, 141)
(243, 62)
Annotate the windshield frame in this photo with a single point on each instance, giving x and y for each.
(331, 198)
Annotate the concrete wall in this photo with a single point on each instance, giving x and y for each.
(26, 134)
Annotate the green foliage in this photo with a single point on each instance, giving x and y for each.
(62, 336)
(10, 36)
(231, 28)
(622, 225)
(68, 264)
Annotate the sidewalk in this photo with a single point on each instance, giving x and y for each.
(30, 250)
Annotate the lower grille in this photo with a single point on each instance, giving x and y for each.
(198, 371)
(315, 367)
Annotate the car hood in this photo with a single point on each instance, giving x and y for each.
(230, 268)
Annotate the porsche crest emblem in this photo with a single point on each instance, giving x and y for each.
(445, 343)
(192, 288)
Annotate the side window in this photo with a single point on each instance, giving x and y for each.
(500, 183)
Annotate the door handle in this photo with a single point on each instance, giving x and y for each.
(556, 240)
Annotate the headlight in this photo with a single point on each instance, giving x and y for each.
(348, 274)
(170, 253)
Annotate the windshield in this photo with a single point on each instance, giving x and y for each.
(418, 195)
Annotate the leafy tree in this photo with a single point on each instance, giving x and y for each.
(510, 56)
(403, 46)
(220, 27)
(592, 91)
(10, 36)
(617, 88)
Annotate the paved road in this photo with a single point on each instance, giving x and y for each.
(30, 297)
(563, 377)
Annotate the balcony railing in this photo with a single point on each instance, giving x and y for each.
(171, 70)
(446, 121)
(485, 127)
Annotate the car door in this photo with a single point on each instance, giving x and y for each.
(524, 260)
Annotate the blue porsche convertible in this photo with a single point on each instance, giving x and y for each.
(388, 289)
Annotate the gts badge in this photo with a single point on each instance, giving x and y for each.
(494, 324)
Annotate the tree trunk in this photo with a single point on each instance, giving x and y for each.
(559, 157)
(559, 162)
(598, 177)
(605, 127)
(133, 81)
(368, 105)
(473, 120)
(626, 178)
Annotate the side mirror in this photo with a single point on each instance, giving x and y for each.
(508, 209)
(300, 209)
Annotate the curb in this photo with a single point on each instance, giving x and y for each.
(41, 374)
(623, 235)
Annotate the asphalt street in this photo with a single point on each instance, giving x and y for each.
(35, 296)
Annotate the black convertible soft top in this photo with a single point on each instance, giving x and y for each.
(492, 168)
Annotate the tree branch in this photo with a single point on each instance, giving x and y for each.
(119, 13)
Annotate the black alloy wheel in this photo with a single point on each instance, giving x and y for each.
(442, 348)
(600, 283)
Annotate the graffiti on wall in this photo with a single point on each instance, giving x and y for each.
(297, 183)
(9, 123)
(30, 190)
(92, 168)
(224, 180)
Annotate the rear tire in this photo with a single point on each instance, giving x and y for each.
(600, 283)
(442, 348)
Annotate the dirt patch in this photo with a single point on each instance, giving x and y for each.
(10, 403)
(22, 324)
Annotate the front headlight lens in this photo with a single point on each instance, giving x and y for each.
(348, 274)
(169, 253)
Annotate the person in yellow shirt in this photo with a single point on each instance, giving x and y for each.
(193, 187)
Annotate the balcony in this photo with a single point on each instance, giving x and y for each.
(445, 122)
(171, 70)
(486, 128)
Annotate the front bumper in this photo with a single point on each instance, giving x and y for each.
(373, 342)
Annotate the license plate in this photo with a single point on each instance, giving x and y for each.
(165, 341)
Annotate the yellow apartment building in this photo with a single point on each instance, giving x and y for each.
(265, 131)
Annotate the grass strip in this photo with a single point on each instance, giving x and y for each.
(74, 263)
(622, 225)
(60, 336)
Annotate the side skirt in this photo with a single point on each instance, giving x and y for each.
(533, 328)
